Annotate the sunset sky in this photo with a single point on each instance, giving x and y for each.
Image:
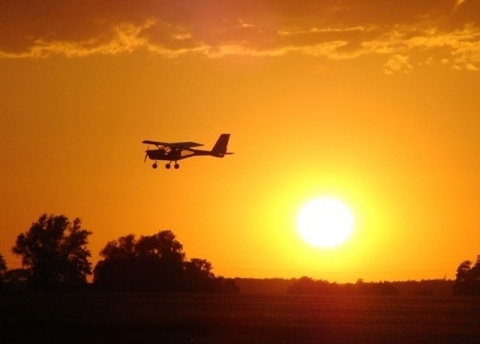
(375, 103)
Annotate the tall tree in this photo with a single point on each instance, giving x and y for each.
(467, 281)
(55, 251)
(3, 268)
(3, 264)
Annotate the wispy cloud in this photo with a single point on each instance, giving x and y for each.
(418, 33)
(124, 38)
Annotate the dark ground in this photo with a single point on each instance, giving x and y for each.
(94, 317)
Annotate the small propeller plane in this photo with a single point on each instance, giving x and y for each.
(172, 152)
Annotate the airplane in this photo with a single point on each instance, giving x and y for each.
(172, 152)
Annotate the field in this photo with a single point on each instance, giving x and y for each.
(162, 318)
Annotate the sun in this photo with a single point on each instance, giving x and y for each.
(325, 222)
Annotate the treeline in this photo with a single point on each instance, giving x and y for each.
(55, 257)
(307, 285)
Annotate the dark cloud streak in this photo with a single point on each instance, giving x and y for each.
(333, 29)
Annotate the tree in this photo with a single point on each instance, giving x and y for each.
(3, 269)
(55, 252)
(154, 263)
(198, 275)
(150, 263)
(467, 279)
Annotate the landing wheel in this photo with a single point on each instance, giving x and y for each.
(167, 166)
(177, 166)
(155, 165)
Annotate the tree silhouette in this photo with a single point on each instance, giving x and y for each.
(154, 263)
(3, 269)
(150, 263)
(54, 250)
(467, 280)
(198, 274)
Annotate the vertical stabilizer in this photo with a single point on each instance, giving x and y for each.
(220, 148)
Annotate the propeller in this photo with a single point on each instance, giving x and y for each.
(146, 154)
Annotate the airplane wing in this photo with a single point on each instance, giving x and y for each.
(184, 145)
(156, 143)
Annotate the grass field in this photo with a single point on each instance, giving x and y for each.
(163, 318)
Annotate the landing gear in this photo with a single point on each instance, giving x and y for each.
(154, 166)
(176, 166)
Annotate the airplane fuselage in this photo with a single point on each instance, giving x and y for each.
(174, 154)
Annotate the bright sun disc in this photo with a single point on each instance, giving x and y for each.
(325, 222)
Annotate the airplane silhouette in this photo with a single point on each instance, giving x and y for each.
(172, 152)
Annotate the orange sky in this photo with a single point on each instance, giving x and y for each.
(373, 102)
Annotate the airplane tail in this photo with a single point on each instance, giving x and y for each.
(220, 148)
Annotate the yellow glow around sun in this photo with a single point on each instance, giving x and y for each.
(325, 222)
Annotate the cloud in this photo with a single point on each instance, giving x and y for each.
(447, 30)
(124, 38)
(397, 63)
